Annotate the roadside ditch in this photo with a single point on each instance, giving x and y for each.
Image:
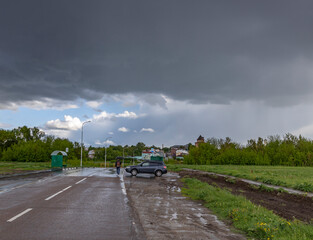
(286, 205)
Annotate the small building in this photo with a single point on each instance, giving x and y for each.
(146, 155)
(176, 148)
(181, 153)
(199, 141)
(91, 154)
(58, 159)
(150, 153)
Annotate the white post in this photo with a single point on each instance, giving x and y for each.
(105, 157)
(81, 147)
(123, 156)
(105, 152)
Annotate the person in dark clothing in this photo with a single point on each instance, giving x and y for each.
(118, 166)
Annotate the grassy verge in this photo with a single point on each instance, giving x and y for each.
(294, 177)
(14, 167)
(256, 221)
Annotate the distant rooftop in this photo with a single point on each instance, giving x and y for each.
(200, 138)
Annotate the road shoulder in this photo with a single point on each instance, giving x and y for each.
(165, 214)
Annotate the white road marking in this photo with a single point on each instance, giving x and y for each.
(81, 180)
(123, 185)
(52, 196)
(91, 175)
(18, 215)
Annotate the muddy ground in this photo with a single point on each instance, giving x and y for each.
(163, 213)
(288, 206)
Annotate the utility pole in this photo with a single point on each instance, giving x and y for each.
(105, 152)
(81, 144)
(123, 156)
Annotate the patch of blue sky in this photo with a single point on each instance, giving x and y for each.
(24, 116)
(38, 118)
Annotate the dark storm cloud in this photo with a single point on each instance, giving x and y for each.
(217, 51)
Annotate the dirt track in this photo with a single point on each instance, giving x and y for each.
(288, 206)
(164, 213)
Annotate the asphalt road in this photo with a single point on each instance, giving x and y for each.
(85, 204)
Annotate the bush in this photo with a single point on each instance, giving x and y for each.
(291, 151)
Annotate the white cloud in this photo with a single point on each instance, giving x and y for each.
(107, 142)
(304, 131)
(123, 129)
(105, 115)
(147, 130)
(58, 133)
(94, 104)
(69, 123)
(168, 126)
(102, 115)
(127, 114)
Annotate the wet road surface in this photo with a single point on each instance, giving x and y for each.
(94, 203)
(81, 204)
(164, 213)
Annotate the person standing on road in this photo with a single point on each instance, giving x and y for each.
(118, 166)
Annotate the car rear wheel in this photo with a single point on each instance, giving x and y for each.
(158, 173)
(134, 172)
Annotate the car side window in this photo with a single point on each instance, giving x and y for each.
(145, 164)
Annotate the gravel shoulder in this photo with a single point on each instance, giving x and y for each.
(164, 213)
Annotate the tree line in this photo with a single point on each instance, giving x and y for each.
(288, 150)
(25, 144)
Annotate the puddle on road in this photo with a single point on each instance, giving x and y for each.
(174, 216)
(202, 220)
(179, 198)
(166, 214)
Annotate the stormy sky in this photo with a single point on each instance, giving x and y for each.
(161, 72)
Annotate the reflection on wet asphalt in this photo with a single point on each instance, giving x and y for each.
(88, 203)
(8, 184)
(95, 203)
(99, 172)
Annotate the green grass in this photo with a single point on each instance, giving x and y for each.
(13, 167)
(255, 221)
(294, 177)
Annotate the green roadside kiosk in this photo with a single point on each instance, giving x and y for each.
(58, 159)
(157, 158)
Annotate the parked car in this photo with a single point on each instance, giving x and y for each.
(157, 168)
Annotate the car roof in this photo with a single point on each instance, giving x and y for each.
(161, 162)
